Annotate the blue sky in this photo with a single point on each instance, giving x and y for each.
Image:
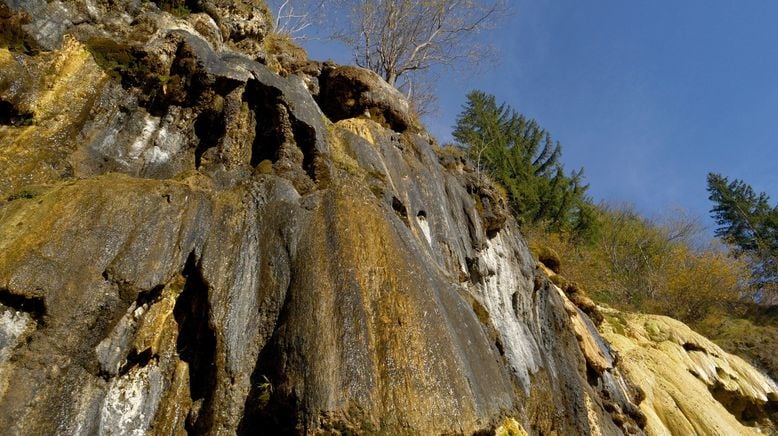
(648, 97)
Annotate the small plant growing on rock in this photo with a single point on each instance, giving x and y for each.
(265, 389)
(181, 11)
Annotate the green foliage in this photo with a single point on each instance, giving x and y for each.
(747, 222)
(116, 59)
(523, 157)
(130, 65)
(181, 11)
(639, 265)
(265, 389)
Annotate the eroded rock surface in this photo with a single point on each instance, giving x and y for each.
(691, 385)
(193, 243)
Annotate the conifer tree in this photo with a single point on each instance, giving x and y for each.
(524, 158)
(747, 222)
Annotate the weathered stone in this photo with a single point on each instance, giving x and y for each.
(691, 385)
(189, 245)
(293, 94)
(349, 92)
(243, 22)
(205, 26)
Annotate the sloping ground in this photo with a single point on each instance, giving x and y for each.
(685, 383)
(692, 386)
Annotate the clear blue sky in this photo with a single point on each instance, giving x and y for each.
(648, 97)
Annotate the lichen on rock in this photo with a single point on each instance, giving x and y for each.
(200, 236)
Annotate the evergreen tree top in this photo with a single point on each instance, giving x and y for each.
(523, 157)
(746, 220)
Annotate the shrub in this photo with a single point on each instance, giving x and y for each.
(636, 264)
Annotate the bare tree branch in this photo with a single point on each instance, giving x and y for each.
(402, 40)
(294, 17)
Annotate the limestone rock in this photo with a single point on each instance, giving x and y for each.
(193, 243)
(244, 23)
(691, 385)
(349, 92)
(222, 299)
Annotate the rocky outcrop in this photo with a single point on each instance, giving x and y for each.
(691, 385)
(349, 92)
(682, 382)
(193, 243)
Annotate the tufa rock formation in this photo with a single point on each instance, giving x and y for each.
(691, 385)
(200, 233)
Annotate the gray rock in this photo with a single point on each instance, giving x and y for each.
(348, 92)
(199, 249)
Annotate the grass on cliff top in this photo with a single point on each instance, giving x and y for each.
(283, 54)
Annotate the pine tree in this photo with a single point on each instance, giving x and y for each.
(747, 222)
(524, 158)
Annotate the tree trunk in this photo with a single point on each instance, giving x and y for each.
(391, 77)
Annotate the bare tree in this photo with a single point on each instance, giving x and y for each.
(401, 40)
(294, 17)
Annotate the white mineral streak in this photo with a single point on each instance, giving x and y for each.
(131, 402)
(86, 412)
(149, 126)
(92, 9)
(106, 144)
(166, 143)
(425, 228)
(13, 327)
(496, 294)
(156, 155)
(111, 350)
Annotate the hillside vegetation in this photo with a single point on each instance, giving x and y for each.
(637, 265)
(621, 259)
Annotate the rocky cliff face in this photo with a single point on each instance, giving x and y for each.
(201, 232)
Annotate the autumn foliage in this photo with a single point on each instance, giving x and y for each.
(635, 264)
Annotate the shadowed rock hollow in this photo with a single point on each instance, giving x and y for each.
(199, 234)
